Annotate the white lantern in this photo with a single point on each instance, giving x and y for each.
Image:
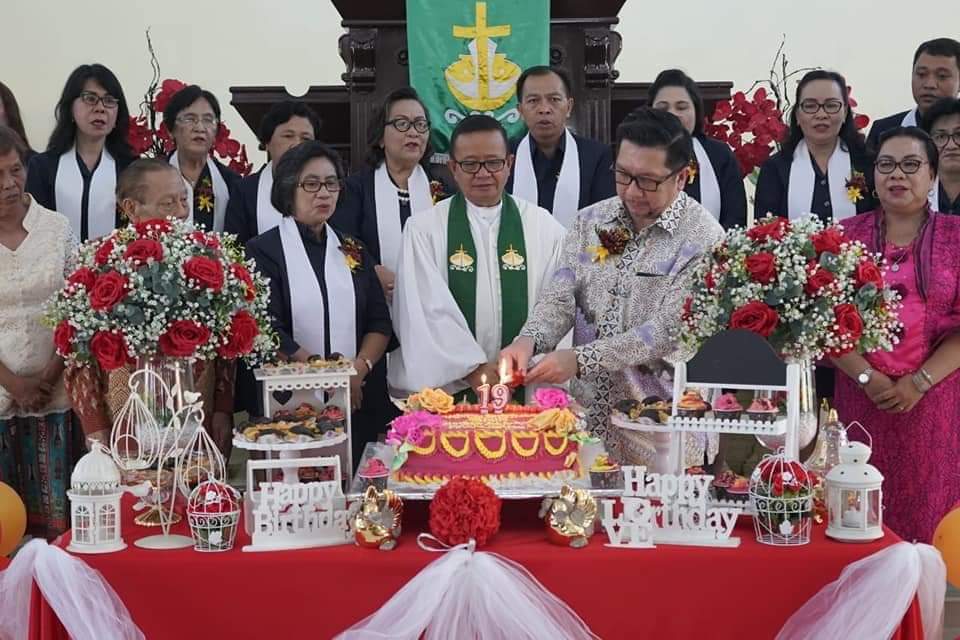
(95, 503)
(854, 496)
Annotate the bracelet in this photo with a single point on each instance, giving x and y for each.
(926, 376)
(921, 385)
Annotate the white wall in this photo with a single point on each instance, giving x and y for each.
(293, 42)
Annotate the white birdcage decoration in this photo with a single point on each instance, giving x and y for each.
(135, 441)
(854, 494)
(199, 461)
(781, 495)
(213, 511)
(95, 503)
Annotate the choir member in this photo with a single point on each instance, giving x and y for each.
(942, 122)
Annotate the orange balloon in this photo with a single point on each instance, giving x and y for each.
(13, 519)
(947, 540)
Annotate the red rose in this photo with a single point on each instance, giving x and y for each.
(153, 228)
(240, 273)
(709, 280)
(103, 252)
(463, 509)
(868, 272)
(774, 230)
(139, 251)
(205, 239)
(851, 324)
(110, 350)
(183, 337)
(84, 277)
(762, 267)
(756, 317)
(243, 329)
(63, 337)
(687, 308)
(109, 289)
(828, 241)
(817, 280)
(206, 272)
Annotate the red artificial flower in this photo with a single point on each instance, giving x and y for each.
(828, 241)
(817, 280)
(182, 338)
(243, 331)
(139, 135)
(687, 308)
(102, 254)
(778, 485)
(464, 509)
(762, 267)
(861, 121)
(84, 277)
(773, 230)
(757, 317)
(205, 239)
(109, 289)
(240, 273)
(867, 272)
(153, 228)
(709, 280)
(143, 249)
(849, 320)
(205, 272)
(63, 338)
(168, 89)
(110, 350)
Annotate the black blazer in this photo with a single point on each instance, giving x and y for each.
(733, 196)
(241, 218)
(596, 173)
(881, 125)
(774, 182)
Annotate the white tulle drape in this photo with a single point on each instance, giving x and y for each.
(872, 595)
(83, 601)
(471, 594)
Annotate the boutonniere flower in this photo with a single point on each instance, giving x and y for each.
(692, 170)
(436, 191)
(205, 195)
(612, 243)
(353, 252)
(856, 187)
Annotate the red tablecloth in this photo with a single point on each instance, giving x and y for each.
(667, 592)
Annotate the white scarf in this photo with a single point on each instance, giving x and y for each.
(267, 215)
(566, 196)
(221, 194)
(910, 120)
(709, 187)
(388, 209)
(101, 200)
(933, 196)
(306, 298)
(802, 176)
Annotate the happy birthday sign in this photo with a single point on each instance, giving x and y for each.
(667, 509)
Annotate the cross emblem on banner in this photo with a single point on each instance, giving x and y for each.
(482, 33)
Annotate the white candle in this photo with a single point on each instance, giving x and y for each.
(852, 518)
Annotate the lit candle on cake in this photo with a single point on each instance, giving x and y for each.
(483, 394)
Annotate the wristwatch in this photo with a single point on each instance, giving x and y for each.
(864, 378)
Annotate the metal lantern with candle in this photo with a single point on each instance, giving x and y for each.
(854, 494)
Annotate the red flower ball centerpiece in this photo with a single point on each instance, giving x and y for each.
(464, 509)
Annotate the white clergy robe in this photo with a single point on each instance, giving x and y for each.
(437, 348)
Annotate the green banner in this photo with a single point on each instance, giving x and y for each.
(466, 56)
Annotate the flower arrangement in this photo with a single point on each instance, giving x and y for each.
(464, 509)
(807, 289)
(612, 242)
(781, 493)
(161, 288)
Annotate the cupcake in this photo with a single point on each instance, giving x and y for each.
(692, 404)
(629, 408)
(762, 410)
(374, 473)
(656, 409)
(739, 489)
(603, 473)
(727, 407)
(721, 483)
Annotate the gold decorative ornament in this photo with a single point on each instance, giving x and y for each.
(569, 519)
(376, 523)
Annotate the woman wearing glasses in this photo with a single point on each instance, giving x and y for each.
(77, 174)
(942, 122)
(909, 398)
(378, 200)
(325, 297)
(193, 118)
(822, 158)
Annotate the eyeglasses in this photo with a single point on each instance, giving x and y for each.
(830, 106)
(91, 99)
(473, 166)
(422, 125)
(908, 165)
(643, 183)
(192, 120)
(942, 138)
(313, 185)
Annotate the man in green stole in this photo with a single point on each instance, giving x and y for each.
(470, 269)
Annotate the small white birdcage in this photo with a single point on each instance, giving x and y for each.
(135, 440)
(855, 494)
(213, 511)
(95, 503)
(781, 495)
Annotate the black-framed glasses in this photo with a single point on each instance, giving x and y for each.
(421, 125)
(942, 138)
(91, 99)
(908, 165)
(644, 183)
(812, 106)
(493, 165)
(192, 120)
(313, 185)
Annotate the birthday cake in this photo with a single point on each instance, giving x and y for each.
(436, 440)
